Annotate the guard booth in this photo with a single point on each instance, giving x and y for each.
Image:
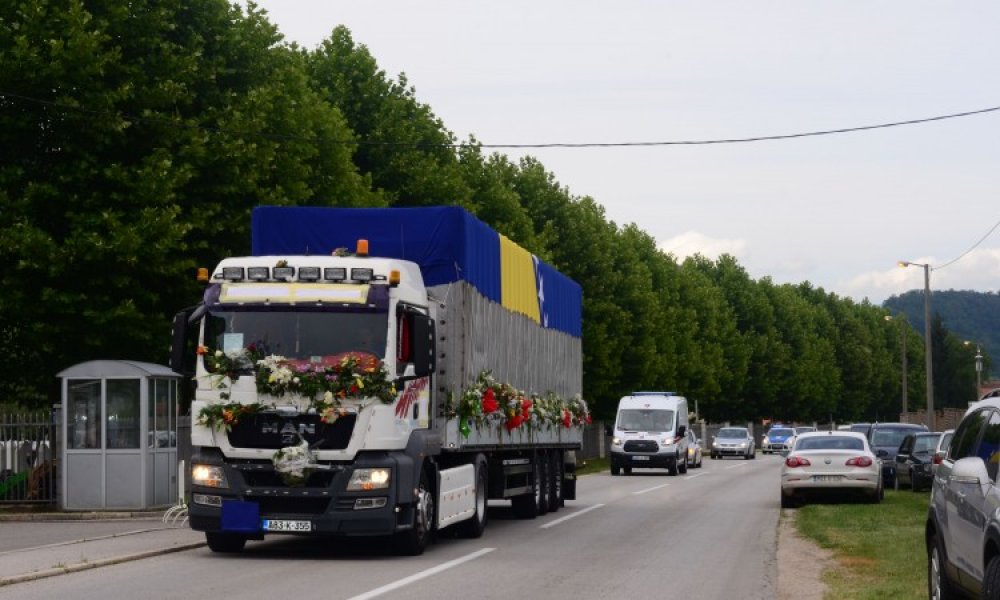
(120, 435)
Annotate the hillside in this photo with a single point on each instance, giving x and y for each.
(973, 316)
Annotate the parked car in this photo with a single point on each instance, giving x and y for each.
(733, 441)
(914, 460)
(944, 442)
(961, 531)
(827, 462)
(885, 439)
(777, 439)
(694, 451)
(799, 430)
(862, 428)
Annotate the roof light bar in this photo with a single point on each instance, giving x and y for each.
(284, 272)
(258, 273)
(308, 273)
(232, 273)
(362, 274)
(335, 273)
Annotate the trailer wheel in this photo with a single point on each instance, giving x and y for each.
(532, 504)
(415, 540)
(555, 480)
(227, 543)
(474, 527)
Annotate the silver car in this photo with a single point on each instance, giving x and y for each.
(733, 441)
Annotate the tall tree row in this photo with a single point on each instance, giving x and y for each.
(136, 137)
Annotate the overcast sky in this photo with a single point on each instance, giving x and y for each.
(836, 210)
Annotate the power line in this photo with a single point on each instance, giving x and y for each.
(974, 246)
(67, 107)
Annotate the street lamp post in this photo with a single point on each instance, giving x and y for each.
(979, 368)
(902, 346)
(928, 356)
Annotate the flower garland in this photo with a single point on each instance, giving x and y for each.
(325, 384)
(489, 402)
(225, 416)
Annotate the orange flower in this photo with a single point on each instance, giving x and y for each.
(202, 350)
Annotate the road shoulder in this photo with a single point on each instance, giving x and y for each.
(801, 563)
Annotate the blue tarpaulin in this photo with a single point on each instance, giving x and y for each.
(447, 242)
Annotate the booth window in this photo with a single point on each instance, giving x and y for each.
(123, 413)
(162, 410)
(83, 422)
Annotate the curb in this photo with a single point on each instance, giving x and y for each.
(78, 516)
(74, 568)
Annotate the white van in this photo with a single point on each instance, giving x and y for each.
(650, 432)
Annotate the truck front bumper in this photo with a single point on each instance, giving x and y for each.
(257, 503)
(641, 460)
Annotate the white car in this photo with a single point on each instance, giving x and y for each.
(827, 462)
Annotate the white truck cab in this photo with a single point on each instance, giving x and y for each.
(650, 432)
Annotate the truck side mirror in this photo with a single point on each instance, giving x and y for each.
(423, 345)
(181, 360)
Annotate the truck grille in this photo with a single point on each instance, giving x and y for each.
(272, 431)
(641, 446)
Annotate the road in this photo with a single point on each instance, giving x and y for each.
(708, 534)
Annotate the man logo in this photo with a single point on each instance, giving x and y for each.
(289, 432)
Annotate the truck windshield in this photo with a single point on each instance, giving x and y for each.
(645, 419)
(298, 335)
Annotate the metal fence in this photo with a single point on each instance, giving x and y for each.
(28, 452)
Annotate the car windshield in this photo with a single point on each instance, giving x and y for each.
(925, 443)
(799, 430)
(645, 419)
(732, 432)
(830, 442)
(298, 334)
(889, 437)
(780, 433)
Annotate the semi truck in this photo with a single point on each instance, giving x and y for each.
(379, 372)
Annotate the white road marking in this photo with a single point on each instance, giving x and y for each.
(742, 464)
(656, 487)
(693, 476)
(421, 575)
(572, 516)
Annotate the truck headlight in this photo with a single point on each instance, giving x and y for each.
(209, 476)
(368, 479)
(616, 441)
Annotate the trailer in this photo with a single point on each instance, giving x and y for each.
(379, 372)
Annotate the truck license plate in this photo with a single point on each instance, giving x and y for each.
(283, 525)
(640, 458)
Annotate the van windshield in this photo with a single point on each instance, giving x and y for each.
(645, 419)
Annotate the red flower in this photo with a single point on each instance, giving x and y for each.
(588, 420)
(567, 419)
(526, 404)
(514, 422)
(490, 403)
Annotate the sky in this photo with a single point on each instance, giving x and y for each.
(838, 211)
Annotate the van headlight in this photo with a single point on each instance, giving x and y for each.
(616, 441)
(368, 479)
(209, 476)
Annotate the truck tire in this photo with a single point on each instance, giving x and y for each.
(533, 504)
(615, 470)
(555, 480)
(682, 464)
(414, 541)
(227, 543)
(672, 468)
(474, 527)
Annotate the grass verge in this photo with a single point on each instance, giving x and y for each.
(879, 548)
(592, 465)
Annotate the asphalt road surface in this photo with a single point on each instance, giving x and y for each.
(708, 534)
